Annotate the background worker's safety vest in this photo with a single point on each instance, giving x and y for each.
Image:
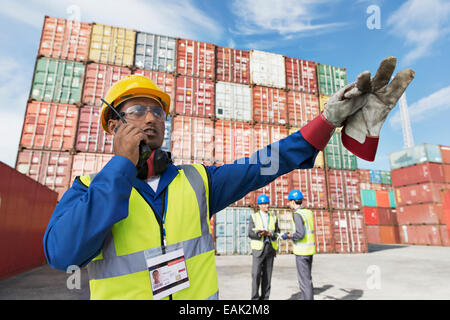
(120, 270)
(307, 245)
(258, 223)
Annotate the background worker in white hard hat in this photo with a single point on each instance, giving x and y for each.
(304, 242)
(263, 231)
(134, 212)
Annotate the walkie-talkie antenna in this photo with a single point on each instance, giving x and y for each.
(112, 108)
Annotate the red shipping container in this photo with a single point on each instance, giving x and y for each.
(407, 233)
(265, 134)
(445, 152)
(418, 193)
(446, 172)
(424, 172)
(98, 79)
(364, 176)
(373, 234)
(65, 39)
(371, 215)
(348, 230)
(49, 126)
(26, 207)
(196, 59)
(164, 81)
(383, 198)
(192, 138)
(445, 235)
(233, 65)
(301, 75)
(343, 189)
(420, 234)
(389, 234)
(311, 182)
(387, 216)
(269, 105)
(91, 137)
(194, 97)
(277, 191)
(445, 197)
(302, 108)
(323, 231)
(49, 168)
(233, 140)
(87, 163)
(427, 213)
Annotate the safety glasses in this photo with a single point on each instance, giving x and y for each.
(139, 112)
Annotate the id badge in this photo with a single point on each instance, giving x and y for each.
(168, 273)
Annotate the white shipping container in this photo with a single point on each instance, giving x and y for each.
(155, 52)
(267, 69)
(232, 231)
(233, 101)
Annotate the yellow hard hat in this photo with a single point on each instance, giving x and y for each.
(132, 86)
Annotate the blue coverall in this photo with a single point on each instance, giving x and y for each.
(84, 216)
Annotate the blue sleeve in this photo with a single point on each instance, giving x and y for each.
(231, 182)
(84, 216)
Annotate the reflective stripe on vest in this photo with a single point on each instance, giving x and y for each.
(307, 245)
(257, 222)
(120, 270)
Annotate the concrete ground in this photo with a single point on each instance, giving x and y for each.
(386, 272)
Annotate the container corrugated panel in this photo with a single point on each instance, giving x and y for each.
(26, 208)
(87, 163)
(364, 175)
(232, 231)
(65, 39)
(269, 105)
(330, 79)
(301, 75)
(387, 216)
(233, 65)
(302, 108)
(155, 52)
(192, 138)
(57, 81)
(112, 45)
(445, 198)
(49, 126)
(49, 168)
(91, 137)
(349, 233)
(99, 78)
(368, 198)
(194, 97)
(343, 189)
(337, 156)
(267, 69)
(415, 155)
(427, 213)
(265, 134)
(392, 199)
(375, 176)
(425, 172)
(164, 81)
(196, 59)
(419, 193)
(447, 172)
(277, 191)
(420, 234)
(323, 231)
(312, 183)
(323, 100)
(445, 154)
(389, 234)
(233, 101)
(233, 140)
(371, 216)
(383, 199)
(445, 235)
(373, 234)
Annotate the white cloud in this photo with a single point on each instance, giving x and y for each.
(424, 108)
(421, 24)
(284, 17)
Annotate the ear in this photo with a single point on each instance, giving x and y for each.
(112, 124)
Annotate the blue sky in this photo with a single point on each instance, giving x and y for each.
(332, 32)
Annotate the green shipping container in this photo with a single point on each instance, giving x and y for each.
(392, 199)
(330, 79)
(337, 156)
(368, 198)
(58, 81)
(386, 177)
(415, 155)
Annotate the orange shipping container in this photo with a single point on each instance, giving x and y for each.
(65, 39)
(233, 65)
(269, 105)
(233, 140)
(194, 97)
(311, 183)
(49, 126)
(302, 108)
(87, 163)
(49, 168)
(99, 78)
(196, 59)
(383, 198)
(301, 75)
(389, 234)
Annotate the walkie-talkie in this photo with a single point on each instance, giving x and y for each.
(144, 150)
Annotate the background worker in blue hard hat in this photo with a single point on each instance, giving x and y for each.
(263, 231)
(304, 242)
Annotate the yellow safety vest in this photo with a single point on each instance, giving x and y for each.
(120, 270)
(307, 245)
(258, 223)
